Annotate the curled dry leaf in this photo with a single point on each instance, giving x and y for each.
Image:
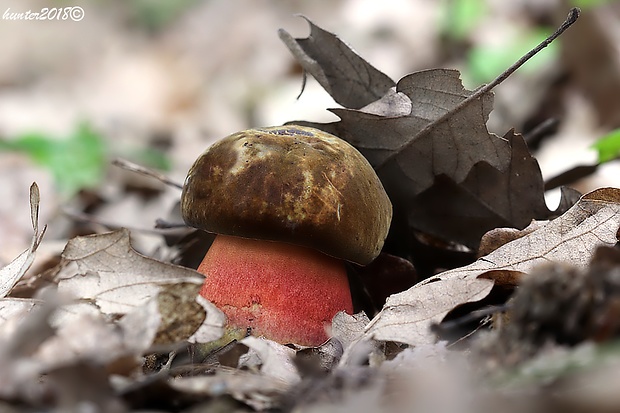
(268, 374)
(275, 359)
(348, 78)
(486, 199)
(445, 174)
(497, 237)
(105, 272)
(12, 272)
(91, 338)
(571, 238)
(259, 392)
(430, 139)
(349, 330)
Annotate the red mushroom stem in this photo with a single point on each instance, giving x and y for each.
(284, 292)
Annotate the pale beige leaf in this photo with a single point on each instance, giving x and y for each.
(570, 238)
(89, 338)
(348, 328)
(260, 392)
(13, 271)
(276, 359)
(15, 307)
(212, 327)
(113, 276)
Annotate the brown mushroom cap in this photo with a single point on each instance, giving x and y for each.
(291, 184)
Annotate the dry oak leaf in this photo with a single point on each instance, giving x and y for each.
(571, 238)
(347, 77)
(445, 174)
(423, 135)
(104, 272)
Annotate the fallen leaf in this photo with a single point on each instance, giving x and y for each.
(445, 174)
(434, 138)
(185, 315)
(488, 198)
(14, 307)
(275, 359)
(348, 328)
(348, 78)
(94, 339)
(319, 361)
(104, 273)
(15, 270)
(111, 275)
(212, 328)
(385, 275)
(571, 238)
(261, 393)
(497, 237)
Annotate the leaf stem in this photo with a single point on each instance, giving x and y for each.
(133, 167)
(573, 15)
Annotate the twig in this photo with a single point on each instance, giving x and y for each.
(573, 15)
(536, 135)
(84, 217)
(130, 166)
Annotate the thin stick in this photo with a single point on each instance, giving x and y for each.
(84, 217)
(130, 166)
(573, 15)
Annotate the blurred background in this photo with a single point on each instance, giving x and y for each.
(156, 82)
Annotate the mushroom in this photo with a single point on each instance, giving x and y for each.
(289, 206)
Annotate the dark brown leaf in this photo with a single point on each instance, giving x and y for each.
(488, 198)
(432, 139)
(446, 175)
(348, 78)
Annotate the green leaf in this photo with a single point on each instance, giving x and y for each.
(589, 4)
(608, 146)
(76, 162)
(459, 17)
(485, 62)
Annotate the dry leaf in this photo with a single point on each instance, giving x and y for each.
(446, 175)
(348, 78)
(486, 199)
(12, 272)
(268, 372)
(185, 315)
(14, 307)
(348, 328)
(94, 339)
(571, 238)
(432, 139)
(112, 275)
(497, 237)
(259, 392)
(104, 272)
(275, 359)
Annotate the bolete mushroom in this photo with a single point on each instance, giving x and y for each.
(289, 204)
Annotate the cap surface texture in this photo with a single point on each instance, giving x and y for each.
(291, 184)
